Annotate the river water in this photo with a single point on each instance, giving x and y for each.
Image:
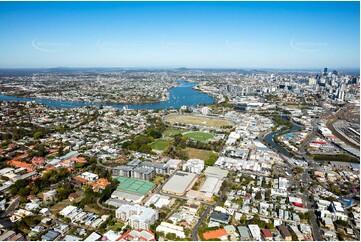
(270, 138)
(184, 94)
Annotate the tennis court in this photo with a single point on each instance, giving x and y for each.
(134, 185)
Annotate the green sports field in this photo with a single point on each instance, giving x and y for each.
(199, 136)
(160, 144)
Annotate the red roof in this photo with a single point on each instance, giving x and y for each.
(298, 204)
(214, 234)
(266, 233)
(80, 179)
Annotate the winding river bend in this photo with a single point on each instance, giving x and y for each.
(270, 137)
(181, 95)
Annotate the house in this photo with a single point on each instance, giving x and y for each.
(136, 235)
(286, 235)
(71, 238)
(244, 233)
(255, 231)
(17, 237)
(298, 233)
(100, 184)
(20, 164)
(220, 217)
(91, 177)
(7, 235)
(45, 211)
(93, 237)
(266, 234)
(168, 228)
(73, 196)
(50, 235)
(79, 181)
(62, 228)
(31, 206)
(49, 195)
(2, 204)
(328, 223)
(38, 162)
(215, 234)
(110, 235)
(38, 228)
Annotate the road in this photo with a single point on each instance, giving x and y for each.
(11, 208)
(209, 207)
(307, 180)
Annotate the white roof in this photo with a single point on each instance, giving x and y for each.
(111, 235)
(255, 231)
(93, 237)
(210, 185)
(179, 182)
(67, 210)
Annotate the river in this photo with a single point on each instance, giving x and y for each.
(182, 95)
(270, 137)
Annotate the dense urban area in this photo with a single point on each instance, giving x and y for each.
(276, 156)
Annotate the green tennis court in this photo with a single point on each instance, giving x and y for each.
(134, 185)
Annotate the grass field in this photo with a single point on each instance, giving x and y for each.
(66, 202)
(198, 154)
(199, 136)
(116, 227)
(172, 132)
(160, 144)
(196, 120)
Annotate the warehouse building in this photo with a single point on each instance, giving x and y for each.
(180, 183)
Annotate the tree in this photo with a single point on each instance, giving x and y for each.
(38, 135)
(258, 195)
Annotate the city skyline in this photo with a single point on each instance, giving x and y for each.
(279, 35)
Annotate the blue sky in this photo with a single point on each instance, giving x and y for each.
(180, 34)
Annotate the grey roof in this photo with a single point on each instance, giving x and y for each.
(7, 235)
(115, 202)
(69, 155)
(70, 237)
(243, 232)
(143, 170)
(220, 217)
(284, 231)
(50, 235)
(155, 165)
(179, 182)
(123, 168)
(26, 176)
(134, 163)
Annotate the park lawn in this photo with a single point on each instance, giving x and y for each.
(160, 144)
(172, 132)
(199, 136)
(196, 120)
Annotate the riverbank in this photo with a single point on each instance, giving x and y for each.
(182, 95)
